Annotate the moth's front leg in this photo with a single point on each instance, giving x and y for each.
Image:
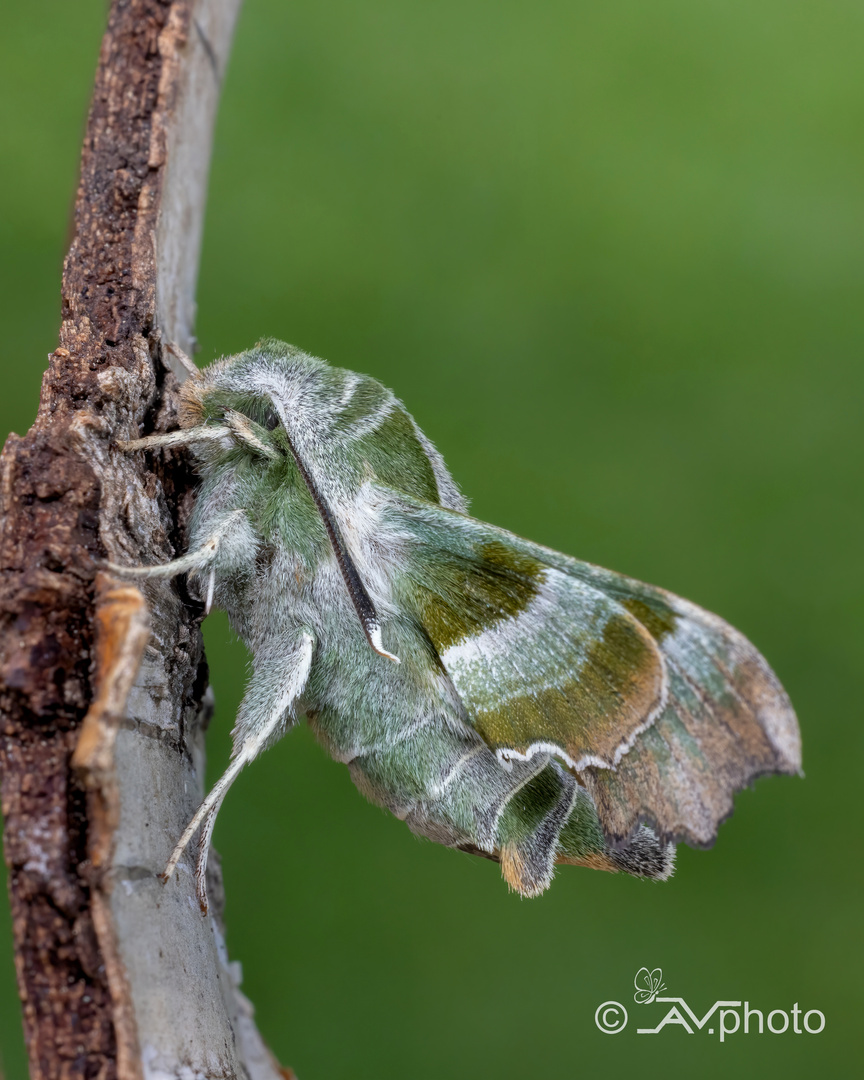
(269, 708)
(193, 562)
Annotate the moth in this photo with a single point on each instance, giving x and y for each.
(499, 697)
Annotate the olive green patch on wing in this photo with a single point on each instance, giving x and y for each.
(458, 597)
(657, 618)
(539, 659)
(575, 674)
(727, 722)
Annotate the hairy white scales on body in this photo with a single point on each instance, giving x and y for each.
(365, 425)
(449, 494)
(334, 408)
(374, 545)
(298, 402)
(403, 730)
(437, 790)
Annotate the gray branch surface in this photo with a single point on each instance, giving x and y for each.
(103, 691)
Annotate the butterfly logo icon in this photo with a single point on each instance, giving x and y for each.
(648, 985)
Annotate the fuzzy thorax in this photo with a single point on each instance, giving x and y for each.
(191, 412)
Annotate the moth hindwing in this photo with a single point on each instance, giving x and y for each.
(542, 710)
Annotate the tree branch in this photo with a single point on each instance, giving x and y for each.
(104, 695)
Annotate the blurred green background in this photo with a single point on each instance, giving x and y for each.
(611, 257)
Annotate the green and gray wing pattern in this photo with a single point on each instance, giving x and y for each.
(662, 709)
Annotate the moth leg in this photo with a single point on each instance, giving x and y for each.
(192, 561)
(211, 588)
(277, 682)
(206, 814)
(180, 437)
(185, 361)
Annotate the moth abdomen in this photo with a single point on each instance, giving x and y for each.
(645, 854)
(528, 817)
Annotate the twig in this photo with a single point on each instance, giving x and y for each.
(101, 767)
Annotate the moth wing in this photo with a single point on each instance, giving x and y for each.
(540, 660)
(663, 709)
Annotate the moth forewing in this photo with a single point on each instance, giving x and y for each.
(544, 711)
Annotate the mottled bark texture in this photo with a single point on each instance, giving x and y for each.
(103, 690)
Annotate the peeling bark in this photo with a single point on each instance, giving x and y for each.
(103, 691)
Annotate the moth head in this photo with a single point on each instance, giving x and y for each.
(275, 402)
(274, 394)
(202, 403)
(223, 419)
(259, 401)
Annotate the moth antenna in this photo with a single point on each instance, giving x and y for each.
(185, 361)
(241, 427)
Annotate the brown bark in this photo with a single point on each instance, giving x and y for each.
(72, 637)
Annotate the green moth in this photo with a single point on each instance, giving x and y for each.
(498, 696)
